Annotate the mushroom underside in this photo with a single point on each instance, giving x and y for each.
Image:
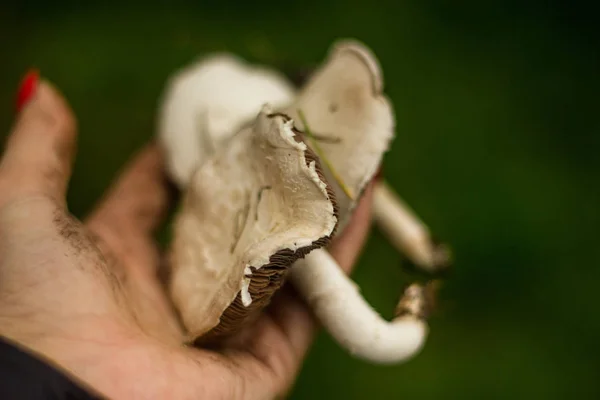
(249, 212)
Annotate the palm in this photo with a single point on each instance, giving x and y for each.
(92, 293)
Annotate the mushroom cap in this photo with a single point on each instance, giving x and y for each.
(207, 102)
(344, 101)
(250, 211)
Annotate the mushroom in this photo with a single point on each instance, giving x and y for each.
(207, 102)
(249, 211)
(350, 122)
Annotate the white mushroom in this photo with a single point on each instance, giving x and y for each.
(207, 102)
(249, 212)
(353, 124)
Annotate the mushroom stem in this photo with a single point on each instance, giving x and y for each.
(336, 301)
(406, 231)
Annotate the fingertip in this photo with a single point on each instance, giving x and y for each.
(45, 113)
(51, 101)
(149, 159)
(27, 88)
(39, 93)
(40, 149)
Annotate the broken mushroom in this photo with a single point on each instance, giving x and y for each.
(249, 212)
(345, 118)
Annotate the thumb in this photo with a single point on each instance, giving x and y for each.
(40, 149)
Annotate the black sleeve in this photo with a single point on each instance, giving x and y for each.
(26, 377)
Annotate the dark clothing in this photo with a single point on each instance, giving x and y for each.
(23, 376)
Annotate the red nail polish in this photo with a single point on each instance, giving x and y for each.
(27, 88)
(379, 174)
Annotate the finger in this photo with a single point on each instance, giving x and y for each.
(123, 224)
(279, 342)
(39, 152)
(125, 219)
(347, 247)
(138, 200)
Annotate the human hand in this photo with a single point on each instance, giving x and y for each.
(87, 298)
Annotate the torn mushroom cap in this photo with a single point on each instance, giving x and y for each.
(250, 211)
(350, 116)
(207, 102)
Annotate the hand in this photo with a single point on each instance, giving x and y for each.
(86, 297)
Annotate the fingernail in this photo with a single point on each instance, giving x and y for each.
(379, 174)
(27, 88)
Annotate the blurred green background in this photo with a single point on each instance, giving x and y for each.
(497, 149)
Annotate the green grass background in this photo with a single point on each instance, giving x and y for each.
(497, 149)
